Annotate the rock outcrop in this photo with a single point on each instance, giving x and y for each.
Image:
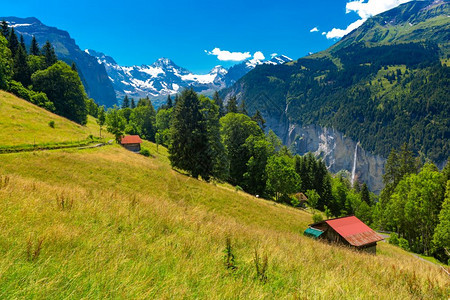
(335, 148)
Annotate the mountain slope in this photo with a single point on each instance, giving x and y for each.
(25, 123)
(100, 223)
(382, 85)
(406, 23)
(164, 77)
(93, 75)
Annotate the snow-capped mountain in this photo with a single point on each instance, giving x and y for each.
(237, 71)
(164, 77)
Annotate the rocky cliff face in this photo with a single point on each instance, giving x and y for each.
(339, 151)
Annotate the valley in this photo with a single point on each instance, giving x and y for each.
(102, 223)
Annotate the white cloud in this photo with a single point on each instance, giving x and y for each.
(338, 33)
(372, 7)
(259, 55)
(364, 10)
(225, 55)
(315, 29)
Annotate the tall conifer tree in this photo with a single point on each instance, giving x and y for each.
(232, 105)
(189, 149)
(34, 48)
(126, 102)
(49, 52)
(258, 118)
(243, 108)
(13, 42)
(219, 103)
(22, 43)
(169, 102)
(5, 29)
(21, 68)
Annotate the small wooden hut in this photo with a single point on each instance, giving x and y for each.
(349, 231)
(131, 142)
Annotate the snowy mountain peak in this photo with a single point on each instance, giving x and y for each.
(280, 59)
(164, 77)
(164, 62)
(218, 70)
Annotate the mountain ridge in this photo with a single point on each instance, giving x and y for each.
(164, 77)
(94, 76)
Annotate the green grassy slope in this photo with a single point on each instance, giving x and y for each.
(24, 123)
(111, 223)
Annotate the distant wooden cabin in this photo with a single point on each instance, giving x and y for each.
(349, 231)
(132, 143)
(302, 199)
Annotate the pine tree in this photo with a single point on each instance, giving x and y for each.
(133, 105)
(74, 67)
(126, 102)
(219, 102)
(34, 48)
(101, 118)
(232, 105)
(189, 149)
(21, 69)
(243, 108)
(22, 43)
(49, 53)
(13, 42)
(5, 29)
(258, 118)
(365, 195)
(169, 102)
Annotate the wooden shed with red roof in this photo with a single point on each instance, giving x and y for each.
(131, 142)
(349, 231)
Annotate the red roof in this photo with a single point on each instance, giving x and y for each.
(131, 139)
(354, 231)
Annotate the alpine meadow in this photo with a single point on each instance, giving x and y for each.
(322, 177)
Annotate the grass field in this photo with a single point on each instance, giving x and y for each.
(23, 123)
(108, 223)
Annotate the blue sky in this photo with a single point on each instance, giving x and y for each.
(136, 32)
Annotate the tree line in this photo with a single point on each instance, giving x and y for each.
(415, 204)
(35, 74)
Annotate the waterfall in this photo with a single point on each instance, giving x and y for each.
(354, 163)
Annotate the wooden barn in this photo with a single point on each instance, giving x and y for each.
(348, 231)
(131, 142)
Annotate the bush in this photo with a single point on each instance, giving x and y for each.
(41, 99)
(403, 243)
(37, 98)
(393, 239)
(145, 152)
(19, 90)
(51, 124)
(317, 218)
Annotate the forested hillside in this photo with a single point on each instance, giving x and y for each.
(35, 74)
(93, 75)
(385, 84)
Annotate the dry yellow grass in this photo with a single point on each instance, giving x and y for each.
(138, 229)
